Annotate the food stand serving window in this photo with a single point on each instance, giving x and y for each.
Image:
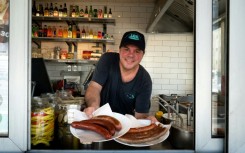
(219, 68)
(13, 75)
(4, 35)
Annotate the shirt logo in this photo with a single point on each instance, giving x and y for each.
(134, 37)
(130, 96)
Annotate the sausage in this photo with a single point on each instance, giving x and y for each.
(104, 123)
(142, 129)
(142, 137)
(111, 119)
(93, 127)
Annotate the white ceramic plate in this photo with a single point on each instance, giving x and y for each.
(150, 143)
(87, 136)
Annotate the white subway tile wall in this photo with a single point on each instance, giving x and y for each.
(169, 58)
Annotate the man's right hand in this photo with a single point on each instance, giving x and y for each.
(89, 111)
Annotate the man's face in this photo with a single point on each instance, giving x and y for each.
(130, 57)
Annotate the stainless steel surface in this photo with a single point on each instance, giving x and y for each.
(182, 131)
(181, 135)
(169, 106)
(172, 16)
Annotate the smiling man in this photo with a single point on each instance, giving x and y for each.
(121, 81)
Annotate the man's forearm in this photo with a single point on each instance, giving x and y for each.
(92, 95)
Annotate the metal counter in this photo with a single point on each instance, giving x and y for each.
(66, 142)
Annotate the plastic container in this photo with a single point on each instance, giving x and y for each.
(42, 121)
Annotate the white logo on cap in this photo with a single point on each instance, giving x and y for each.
(134, 37)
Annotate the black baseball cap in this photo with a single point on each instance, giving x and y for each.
(135, 38)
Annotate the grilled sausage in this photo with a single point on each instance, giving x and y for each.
(93, 127)
(111, 119)
(104, 123)
(142, 129)
(142, 137)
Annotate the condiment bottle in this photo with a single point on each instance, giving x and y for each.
(159, 115)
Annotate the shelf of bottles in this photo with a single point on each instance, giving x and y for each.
(72, 34)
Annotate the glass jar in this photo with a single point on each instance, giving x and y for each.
(42, 121)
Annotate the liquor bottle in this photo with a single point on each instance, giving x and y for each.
(60, 11)
(54, 32)
(95, 13)
(110, 14)
(45, 31)
(74, 31)
(65, 10)
(65, 32)
(60, 32)
(105, 11)
(90, 14)
(40, 32)
(73, 13)
(49, 33)
(69, 31)
(46, 11)
(77, 11)
(56, 11)
(38, 10)
(83, 33)
(100, 14)
(34, 31)
(78, 32)
(87, 32)
(41, 10)
(81, 13)
(34, 8)
(99, 35)
(51, 10)
(95, 35)
(91, 34)
(86, 12)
